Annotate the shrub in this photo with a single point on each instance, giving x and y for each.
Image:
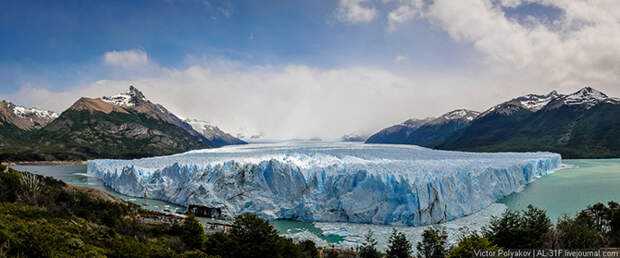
(469, 243)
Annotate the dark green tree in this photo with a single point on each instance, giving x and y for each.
(526, 229)
(605, 220)
(469, 243)
(434, 243)
(221, 244)
(614, 223)
(255, 236)
(369, 246)
(308, 249)
(398, 245)
(193, 234)
(575, 234)
(537, 228)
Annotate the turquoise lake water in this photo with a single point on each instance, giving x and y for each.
(565, 191)
(572, 189)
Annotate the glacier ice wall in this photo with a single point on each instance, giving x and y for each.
(335, 182)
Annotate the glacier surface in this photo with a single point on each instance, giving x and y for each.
(330, 182)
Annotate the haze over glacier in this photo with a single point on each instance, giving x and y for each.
(344, 182)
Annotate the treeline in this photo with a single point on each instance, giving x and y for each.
(597, 226)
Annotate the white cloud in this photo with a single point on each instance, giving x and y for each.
(403, 13)
(582, 47)
(355, 11)
(126, 58)
(295, 101)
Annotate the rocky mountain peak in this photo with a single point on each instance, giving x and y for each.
(130, 98)
(586, 97)
(460, 115)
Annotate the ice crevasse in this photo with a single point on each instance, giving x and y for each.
(334, 182)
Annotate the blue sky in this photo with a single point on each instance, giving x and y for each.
(341, 66)
(47, 43)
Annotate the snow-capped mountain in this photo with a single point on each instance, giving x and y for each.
(531, 102)
(25, 118)
(213, 133)
(586, 97)
(463, 115)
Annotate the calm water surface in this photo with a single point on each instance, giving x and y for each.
(572, 189)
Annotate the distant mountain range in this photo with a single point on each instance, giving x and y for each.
(584, 124)
(126, 125)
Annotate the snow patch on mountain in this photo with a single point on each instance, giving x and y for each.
(31, 113)
(587, 96)
(126, 99)
(535, 102)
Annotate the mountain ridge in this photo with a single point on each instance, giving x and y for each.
(582, 124)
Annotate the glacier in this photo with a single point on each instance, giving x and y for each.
(330, 182)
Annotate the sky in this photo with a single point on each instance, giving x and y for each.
(306, 69)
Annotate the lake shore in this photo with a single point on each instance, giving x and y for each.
(54, 162)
